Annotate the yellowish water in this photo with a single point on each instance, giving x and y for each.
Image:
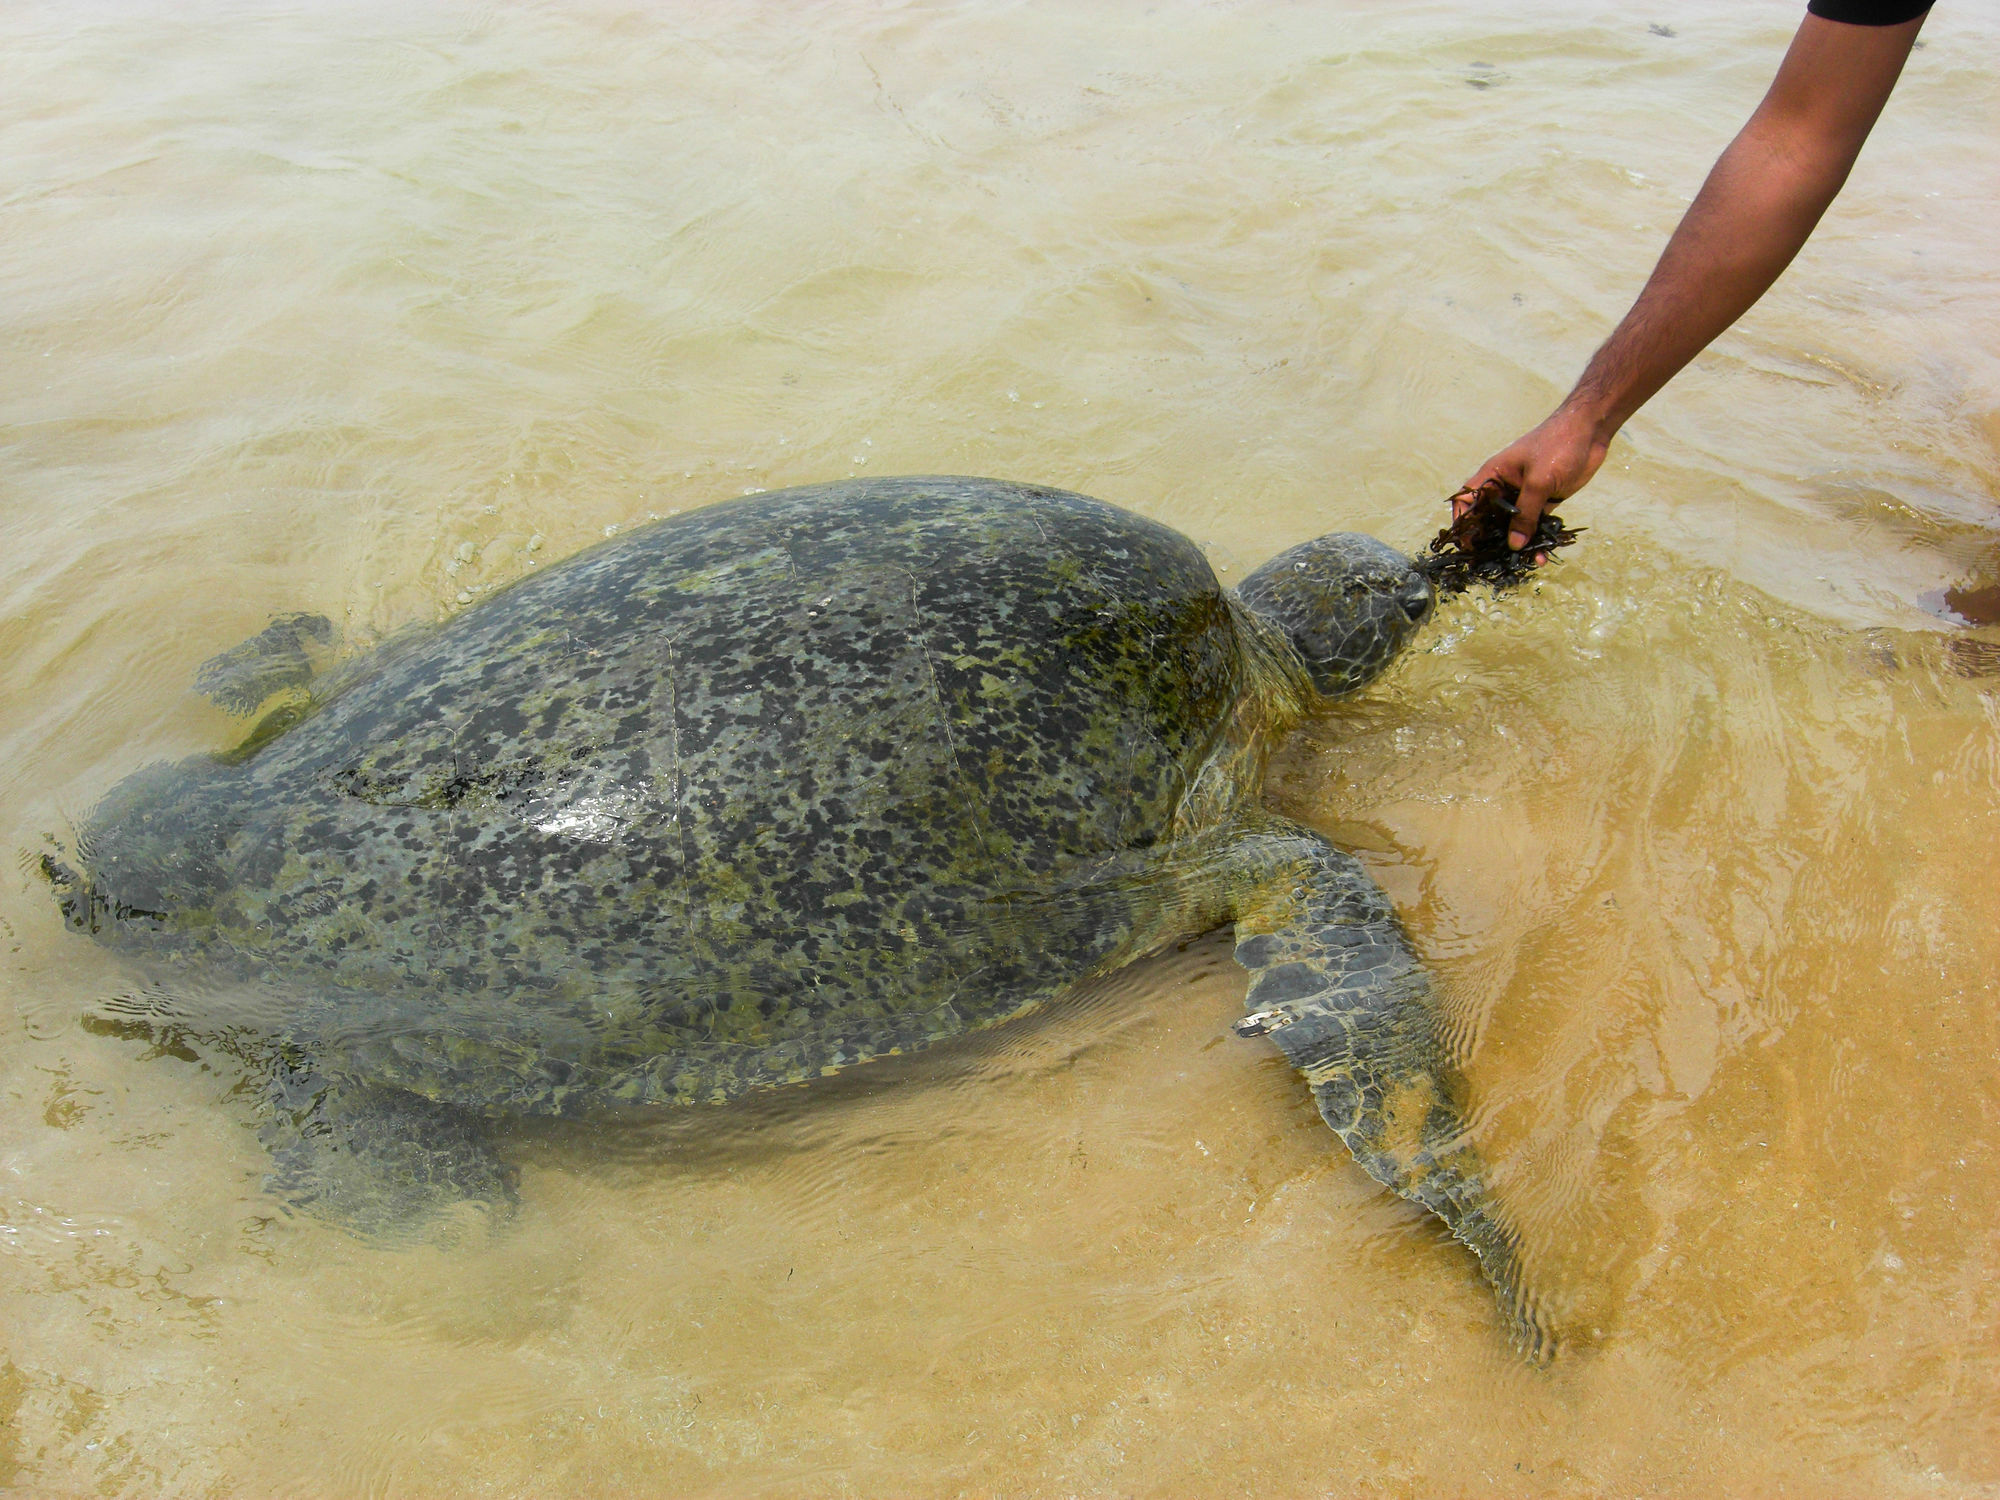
(368, 309)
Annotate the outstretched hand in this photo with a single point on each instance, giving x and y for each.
(1547, 465)
(1759, 203)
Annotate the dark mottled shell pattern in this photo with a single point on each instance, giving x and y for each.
(733, 800)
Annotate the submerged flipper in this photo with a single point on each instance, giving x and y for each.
(380, 1162)
(1337, 986)
(278, 657)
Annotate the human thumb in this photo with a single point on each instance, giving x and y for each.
(1527, 511)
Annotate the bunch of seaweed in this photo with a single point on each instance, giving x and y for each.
(1473, 548)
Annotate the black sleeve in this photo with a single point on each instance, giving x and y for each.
(1869, 12)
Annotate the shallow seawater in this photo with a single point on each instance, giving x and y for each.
(372, 309)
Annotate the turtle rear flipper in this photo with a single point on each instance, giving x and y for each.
(278, 657)
(1337, 986)
(382, 1163)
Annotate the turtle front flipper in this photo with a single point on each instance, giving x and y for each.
(1337, 986)
(278, 657)
(380, 1162)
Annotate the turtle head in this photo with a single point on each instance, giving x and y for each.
(1346, 602)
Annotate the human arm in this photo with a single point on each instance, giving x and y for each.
(1760, 203)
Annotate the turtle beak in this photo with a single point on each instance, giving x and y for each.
(1418, 598)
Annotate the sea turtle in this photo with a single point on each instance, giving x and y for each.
(764, 790)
